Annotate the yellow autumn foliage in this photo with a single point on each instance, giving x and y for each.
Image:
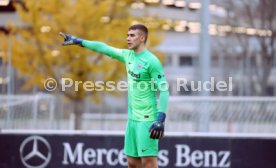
(37, 50)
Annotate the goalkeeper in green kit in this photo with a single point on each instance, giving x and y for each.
(145, 75)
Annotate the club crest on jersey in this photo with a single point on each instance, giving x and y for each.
(139, 66)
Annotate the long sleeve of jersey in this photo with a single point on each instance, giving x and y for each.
(160, 83)
(105, 49)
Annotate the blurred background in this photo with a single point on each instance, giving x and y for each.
(231, 41)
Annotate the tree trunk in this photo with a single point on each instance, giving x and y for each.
(78, 111)
(266, 73)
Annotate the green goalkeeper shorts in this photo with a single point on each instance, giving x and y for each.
(137, 139)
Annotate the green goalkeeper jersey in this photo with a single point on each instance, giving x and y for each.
(145, 78)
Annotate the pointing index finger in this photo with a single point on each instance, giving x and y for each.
(63, 35)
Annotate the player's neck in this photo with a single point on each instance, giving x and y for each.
(140, 48)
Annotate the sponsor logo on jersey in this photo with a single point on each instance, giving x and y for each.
(134, 74)
(160, 76)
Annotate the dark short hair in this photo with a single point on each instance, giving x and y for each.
(140, 27)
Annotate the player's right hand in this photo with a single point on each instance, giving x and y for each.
(70, 39)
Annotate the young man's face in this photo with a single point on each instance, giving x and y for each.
(134, 39)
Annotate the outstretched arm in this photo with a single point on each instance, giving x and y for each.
(97, 46)
(104, 49)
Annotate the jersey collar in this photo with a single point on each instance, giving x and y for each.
(141, 53)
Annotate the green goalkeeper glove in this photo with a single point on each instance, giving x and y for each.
(70, 40)
(157, 128)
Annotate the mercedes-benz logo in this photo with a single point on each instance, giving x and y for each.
(35, 152)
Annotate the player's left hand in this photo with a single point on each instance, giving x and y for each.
(157, 128)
